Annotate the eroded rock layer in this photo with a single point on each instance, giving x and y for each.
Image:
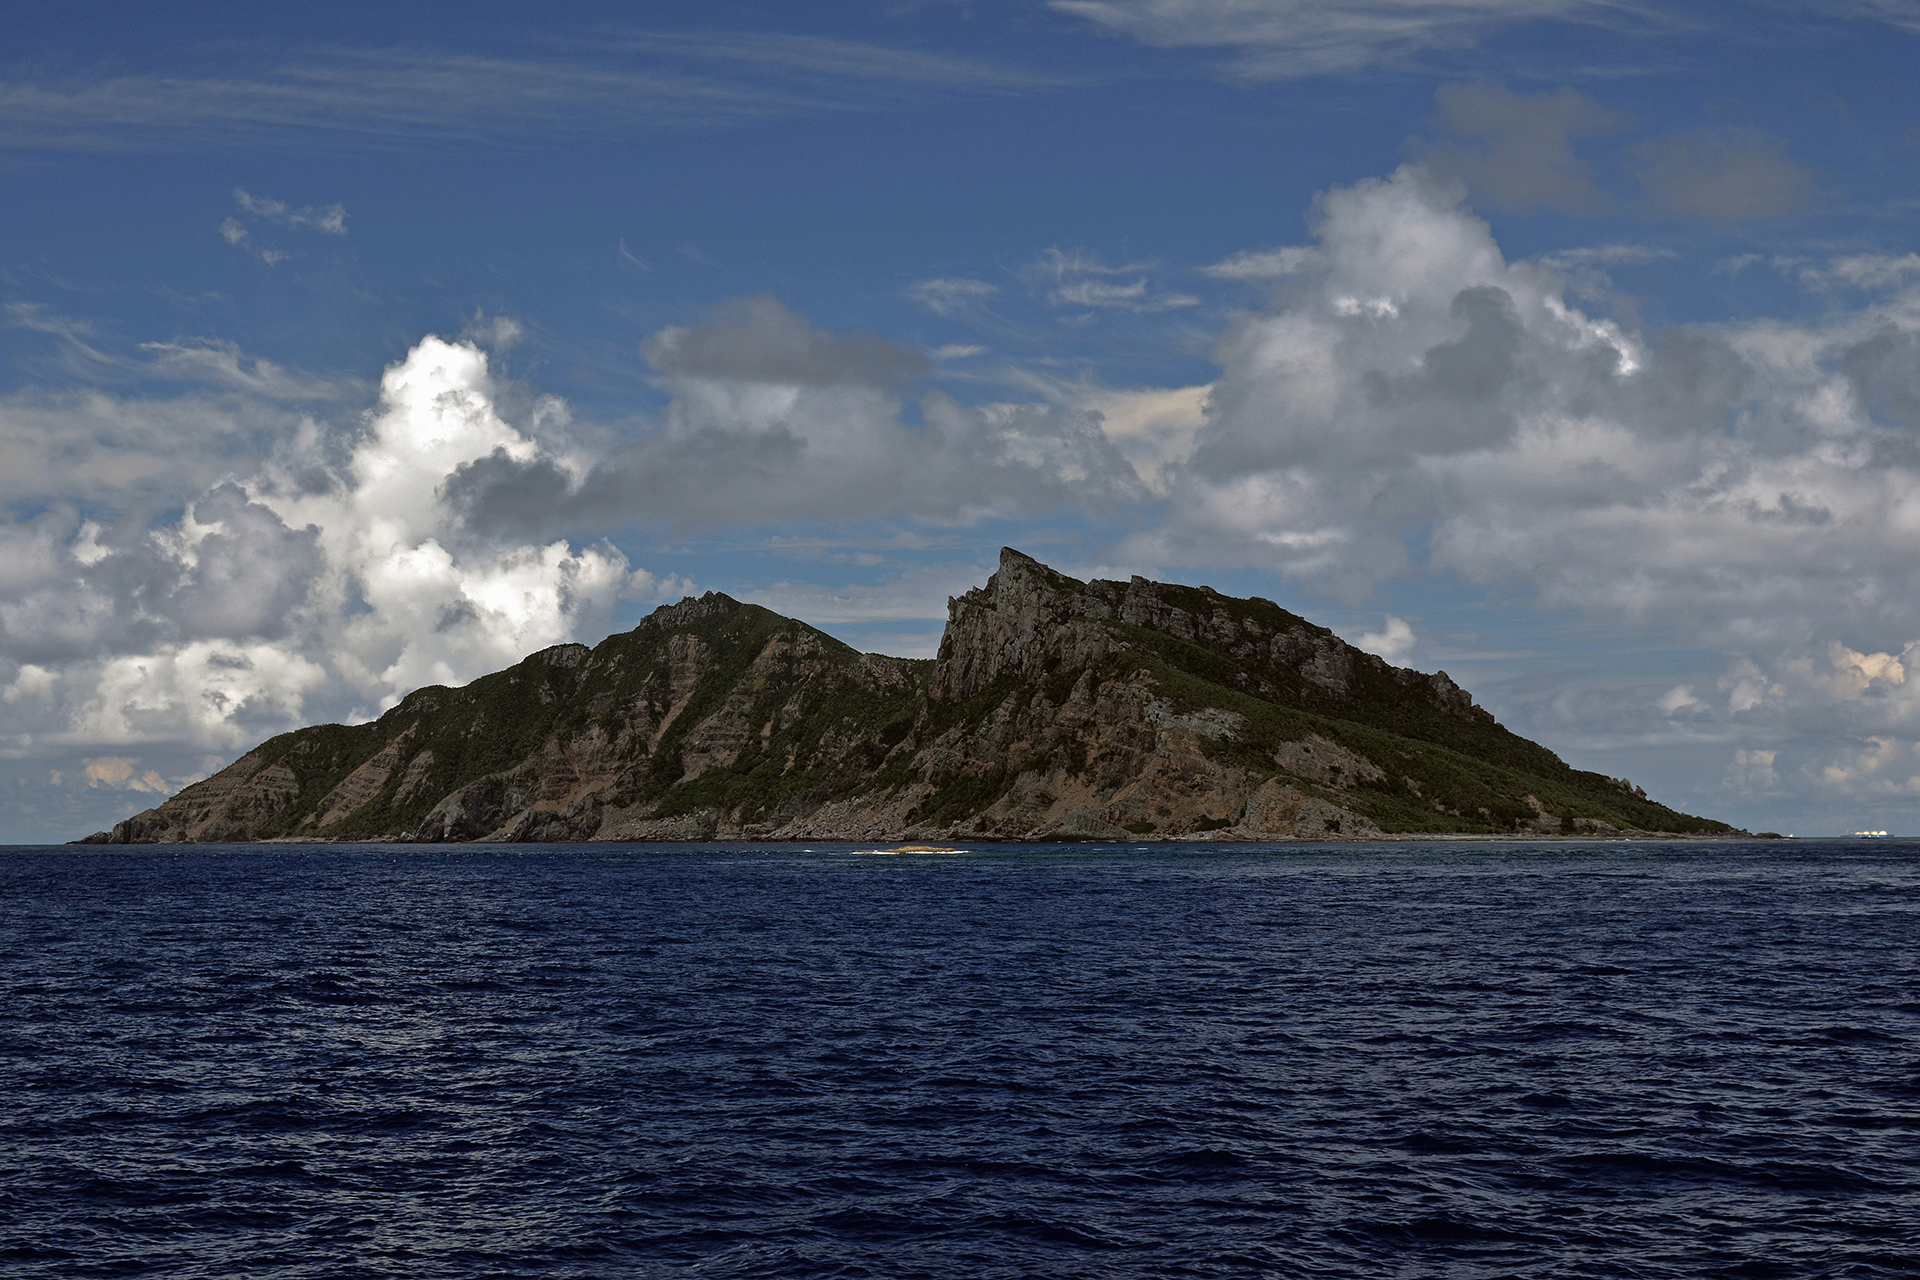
(1057, 709)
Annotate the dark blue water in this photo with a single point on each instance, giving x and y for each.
(1440, 1060)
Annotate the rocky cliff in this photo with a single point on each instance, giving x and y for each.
(1056, 709)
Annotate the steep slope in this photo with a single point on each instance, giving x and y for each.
(1056, 709)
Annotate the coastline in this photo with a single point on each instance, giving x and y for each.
(1418, 837)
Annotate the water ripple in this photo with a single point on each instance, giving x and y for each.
(1450, 1060)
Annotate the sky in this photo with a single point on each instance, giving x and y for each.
(1569, 346)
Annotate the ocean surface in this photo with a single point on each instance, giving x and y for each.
(1432, 1060)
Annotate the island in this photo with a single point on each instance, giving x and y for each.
(1056, 710)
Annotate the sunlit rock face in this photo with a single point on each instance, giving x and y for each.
(1057, 709)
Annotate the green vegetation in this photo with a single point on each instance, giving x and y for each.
(1444, 773)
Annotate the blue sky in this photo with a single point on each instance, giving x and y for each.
(1572, 347)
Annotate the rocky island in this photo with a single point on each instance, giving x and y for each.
(1056, 709)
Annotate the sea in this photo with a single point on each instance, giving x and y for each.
(1442, 1059)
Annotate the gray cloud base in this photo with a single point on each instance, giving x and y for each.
(772, 419)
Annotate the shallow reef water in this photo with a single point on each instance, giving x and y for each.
(1437, 1059)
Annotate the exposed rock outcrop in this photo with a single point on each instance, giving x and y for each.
(1056, 710)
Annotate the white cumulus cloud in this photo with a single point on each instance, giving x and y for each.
(1394, 641)
(328, 582)
(1419, 404)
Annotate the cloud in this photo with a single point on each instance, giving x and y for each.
(330, 220)
(221, 363)
(1419, 405)
(1877, 768)
(952, 297)
(1153, 428)
(29, 682)
(214, 364)
(1722, 175)
(1394, 641)
(1260, 264)
(1607, 255)
(773, 419)
(608, 87)
(1290, 39)
(117, 771)
(1590, 260)
(823, 59)
(240, 238)
(628, 260)
(1901, 14)
(203, 584)
(326, 581)
(495, 333)
(1677, 699)
(1584, 269)
(903, 612)
(1752, 770)
(917, 594)
(759, 340)
(1515, 150)
(131, 455)
(1073, 278)
(1865, 271)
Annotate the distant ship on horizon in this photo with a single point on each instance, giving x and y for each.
(1869, 835)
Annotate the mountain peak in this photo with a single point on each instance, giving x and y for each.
(688, 610)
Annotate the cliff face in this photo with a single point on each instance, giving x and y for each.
(1056, 709)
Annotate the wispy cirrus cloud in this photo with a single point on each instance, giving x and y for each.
(328, 220)
(1297, 39)
(220, 363)
(815, 56)
(1607, 255)
(369, 93)
(216, 364)
(644, 82)
(1074, 278)
(952, 296)
(1291, 39)
(1901, 14)
(1865, 271)
(1260, 264)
